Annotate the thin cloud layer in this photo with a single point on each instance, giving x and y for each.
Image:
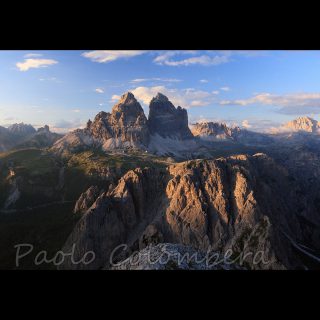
(99, 90)
(139, 80)
(170, 59)
(33, 55)
(290, 104)
(106, 56)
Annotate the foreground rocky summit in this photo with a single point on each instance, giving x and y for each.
(168, 256)
(248, 204)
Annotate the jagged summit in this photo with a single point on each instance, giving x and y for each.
(160, 97)
(44, 129)
(127, 97)
(22, 129)
(214, 130)
(166, 120)
(128, 106)
(306, 124)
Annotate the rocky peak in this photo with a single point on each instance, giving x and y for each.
(215, 130)
(166, 120)
(44, 129)
(128, 97)
(160, 97)
(22, 129)
(128, 109)
(306, 124)
(125, 126)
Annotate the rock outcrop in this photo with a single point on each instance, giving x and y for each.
(124, 128)
(22, 129)
(232, 203)
(214, 131)
(166, 120)
(168, 256)
(304, 124)
(117, 216)
(22, 135)
(6, 139)
(87, 199)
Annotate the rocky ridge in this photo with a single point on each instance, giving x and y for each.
(304, 124)
(228, 203)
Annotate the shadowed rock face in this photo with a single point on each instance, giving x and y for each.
(167, 256)
(22, 135)
(166, 120)
(22, 129)
(236, 202)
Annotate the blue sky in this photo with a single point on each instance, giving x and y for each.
(255, 89)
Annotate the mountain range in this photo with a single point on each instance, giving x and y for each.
(22, 135)
(165, 132)
(154, 182)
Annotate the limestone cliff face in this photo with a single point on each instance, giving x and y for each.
(117, 216)
(125, 126)
(214, 131)
(230, 203)
(166, 120)
(166, 132)
(86, 200)
(305, 124)
(22, 135)
(22, 129)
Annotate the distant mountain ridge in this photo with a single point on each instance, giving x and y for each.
(20, 135)
(214, 131)
(164, 132)
(305, 124)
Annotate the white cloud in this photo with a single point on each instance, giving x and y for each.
(215, 92)
(99, 90)
(35, 63)
(33, 55)
(115, 98)
(245, 124)
(76, 110)
(186, 98)
(105, 56)
(155, 79)
(225, 89)
(293, 103)
(205, 60)
(204, 81)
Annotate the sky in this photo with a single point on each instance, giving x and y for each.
(258, 90)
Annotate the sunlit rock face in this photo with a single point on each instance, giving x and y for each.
(305, 124)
